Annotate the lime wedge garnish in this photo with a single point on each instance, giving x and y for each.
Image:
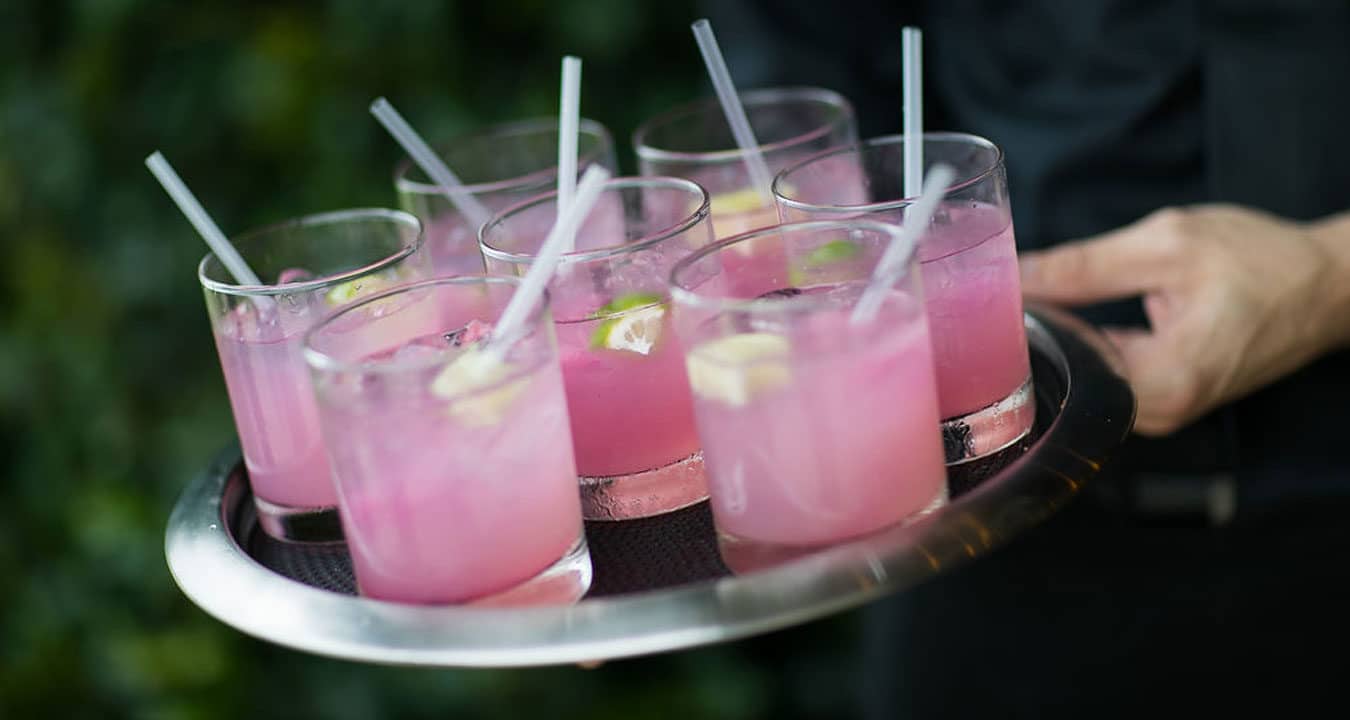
(353, 289)
(630, 322)
(736, 201)
(832, 252)
(465, 382)
(735, 368)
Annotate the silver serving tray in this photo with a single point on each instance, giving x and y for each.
(1085, 410)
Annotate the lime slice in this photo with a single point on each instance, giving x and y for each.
(465, 382)
(736, 201)
(632, 323)
(353, 289)
(735, 368)
(832, 252)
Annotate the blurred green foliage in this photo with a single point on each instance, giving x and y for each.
(110, 394)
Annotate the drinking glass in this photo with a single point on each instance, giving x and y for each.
(311, 265)
(451, 454)
(816, 427)
(970, 274)
(695, 142)
(632, 424)
(500, 166)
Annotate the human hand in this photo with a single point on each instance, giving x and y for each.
(1235, 299)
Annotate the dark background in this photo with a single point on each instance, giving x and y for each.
(111, 397)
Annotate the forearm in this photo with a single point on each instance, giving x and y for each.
(1333, 235)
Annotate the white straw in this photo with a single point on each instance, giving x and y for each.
(892, 262)
(431, 164)
(735, 112)
(912, 42)
(196, 214)
(546, 260)
(569, 118)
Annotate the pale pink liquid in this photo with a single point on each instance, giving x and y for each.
(849, 446)
(973, 294)
(453, 244)
(436, 510)
(274, 411)
(630, 412)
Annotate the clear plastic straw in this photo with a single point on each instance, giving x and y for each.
(917, 218)
(422, 154)
(196, 214)
(549, 255)
(569, 117)
(735, 112)
(912, 46)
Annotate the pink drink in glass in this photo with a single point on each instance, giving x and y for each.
(274, 409)
(500, 165)
(316, 264)
(632, 422)
(974, 298)
(442, 509)
(970, 274)
(455, 485)
(832, 452)
(816, 427)
(630, 412)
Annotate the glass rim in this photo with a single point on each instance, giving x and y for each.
(403, 184)
(691, 220)
(879, 142)
(326, 362)
(397, 217)
(685, 296)
(760, 96)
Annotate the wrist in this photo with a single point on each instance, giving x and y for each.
(1332, 236)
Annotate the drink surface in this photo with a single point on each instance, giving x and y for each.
(816, 431)
(451, 495)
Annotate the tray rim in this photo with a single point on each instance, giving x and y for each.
(223, 580)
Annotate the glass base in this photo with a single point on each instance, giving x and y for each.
(644, 494)
(990, 429)
(562, 583)
(742, 555)
(299, 524)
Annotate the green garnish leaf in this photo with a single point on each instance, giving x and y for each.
(832, 252)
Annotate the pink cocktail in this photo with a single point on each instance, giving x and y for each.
(632, 422)
(315, 265)
(974, 300)
(695, 142)
(970, 275)
(500, 166)
(453, 461)
(815, 428)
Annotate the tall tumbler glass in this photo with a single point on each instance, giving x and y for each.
(816, 426)
(970, 273)
(311, 266)
(695, 142)
(632, 423)
(451, 454)
(500, 166)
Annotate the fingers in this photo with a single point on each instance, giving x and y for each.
(1119, 264)
(1162, 385)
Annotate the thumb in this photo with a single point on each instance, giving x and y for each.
(1119, 264)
